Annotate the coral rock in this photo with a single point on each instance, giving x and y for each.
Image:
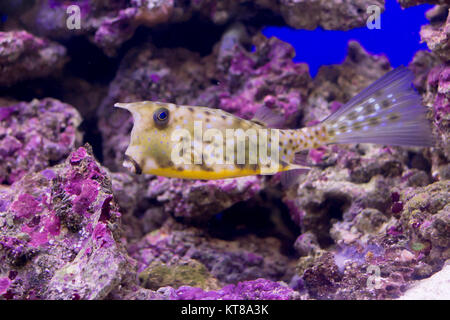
(24, 56)
(437, 37)
(35, 135)
(110, 24)
(200, 200)
(245, 258)
(59, 234)
(259, 289)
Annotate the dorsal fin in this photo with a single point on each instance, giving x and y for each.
(268, 118)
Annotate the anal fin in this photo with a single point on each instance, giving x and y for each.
(290, 177)
(301, 158)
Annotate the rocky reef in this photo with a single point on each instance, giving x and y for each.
(366, 222)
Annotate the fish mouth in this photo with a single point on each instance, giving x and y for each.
(132, 165)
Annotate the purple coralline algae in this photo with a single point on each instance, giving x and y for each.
(366, 222)
(35, 135)
(437, 33)
(24, 56)
(259, 289)
(244, 258)
(108, 24)
(59, 237)
(199, 200)
(437, 83)
(410, 247)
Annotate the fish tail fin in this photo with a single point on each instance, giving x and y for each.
(388, 112)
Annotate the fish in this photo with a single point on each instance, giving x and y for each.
(197, 142)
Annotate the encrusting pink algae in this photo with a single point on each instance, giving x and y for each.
(76, 225)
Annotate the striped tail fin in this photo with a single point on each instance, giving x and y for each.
(388, 112)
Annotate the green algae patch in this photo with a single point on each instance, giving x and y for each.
(186, 273)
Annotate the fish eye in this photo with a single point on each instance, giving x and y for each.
(161, 117)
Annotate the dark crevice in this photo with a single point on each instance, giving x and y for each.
(33, 89)
(196, 35)
(258, 216)
(418, 161)
(92, 135)
(319, 219)
(89, 62)
(335, 208)
(241, 219)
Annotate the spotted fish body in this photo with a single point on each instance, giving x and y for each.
(387, 112)
(150, 147)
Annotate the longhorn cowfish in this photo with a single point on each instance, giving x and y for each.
(388, 112)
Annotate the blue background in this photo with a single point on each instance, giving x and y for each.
(398, 38)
